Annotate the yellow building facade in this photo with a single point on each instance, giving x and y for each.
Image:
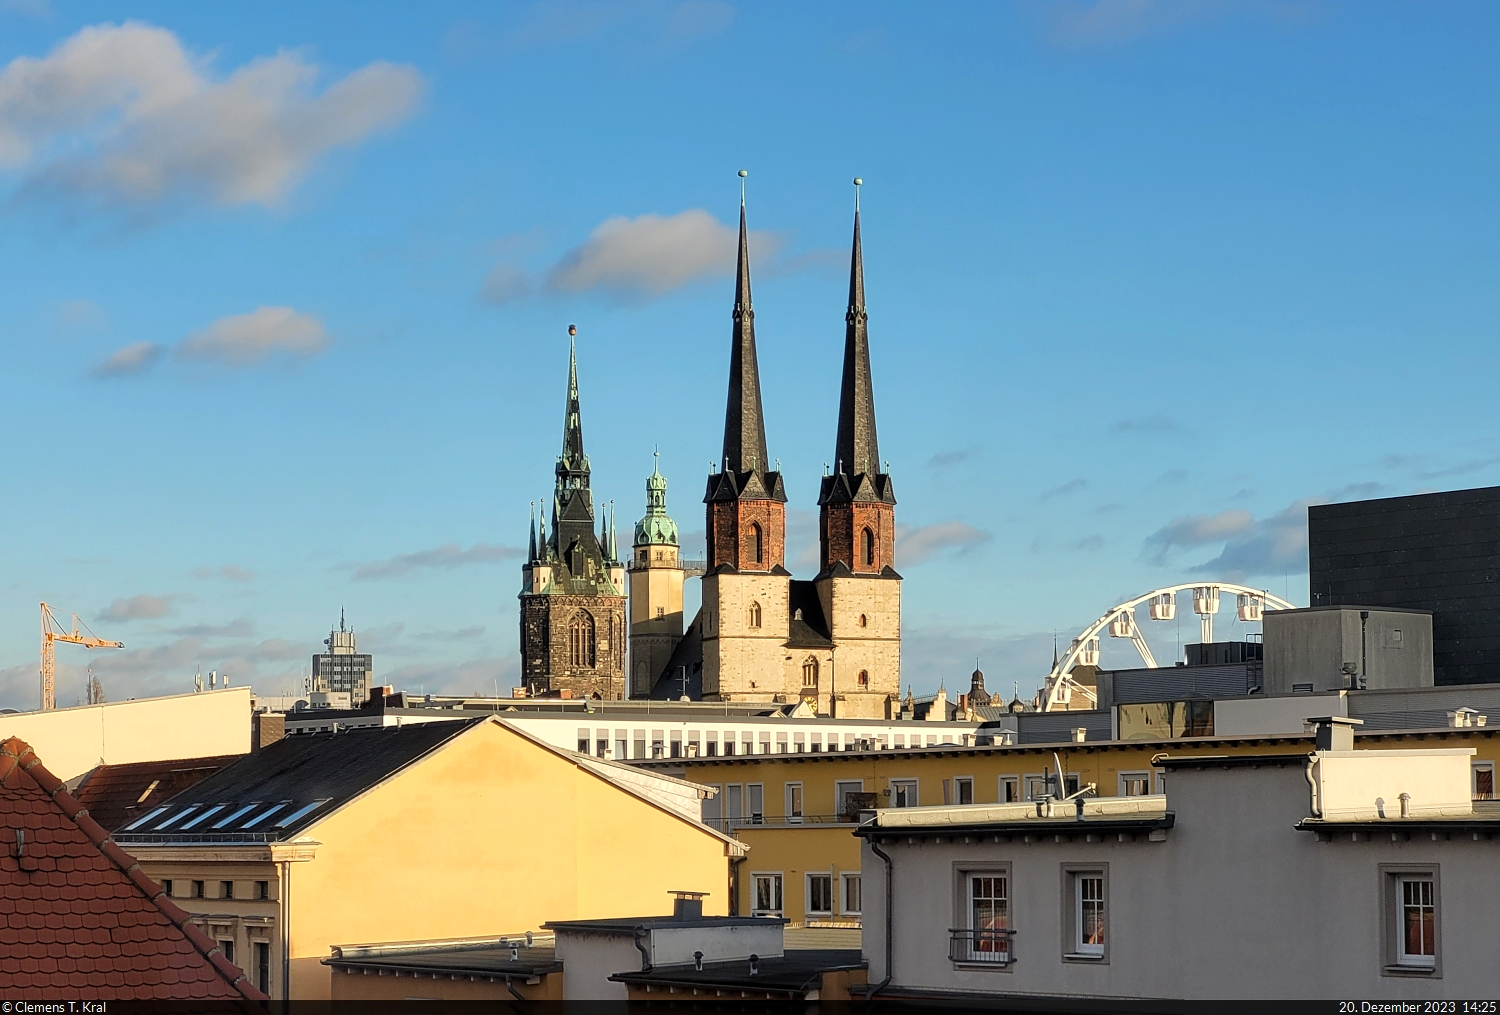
(491, 832)
(796, 812)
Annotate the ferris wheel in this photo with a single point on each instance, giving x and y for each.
(1059, 688)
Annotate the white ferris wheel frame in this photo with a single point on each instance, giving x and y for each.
(1060, 683)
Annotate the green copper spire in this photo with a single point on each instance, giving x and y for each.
(657, 528)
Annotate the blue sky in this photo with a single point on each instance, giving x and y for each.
(285, 292)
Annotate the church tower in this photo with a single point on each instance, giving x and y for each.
(746, 589)
(858, 586)
(573, 585)
(656, 577)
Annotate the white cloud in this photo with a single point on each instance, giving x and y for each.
(142, 607)
(1197, 530)
(124, 114)
(136, 358)
(446, 557)
(1272, 546)
(243, 339)
(914, 545)
(636, 258)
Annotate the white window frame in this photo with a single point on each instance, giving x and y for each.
(1026, 787)
(1396, 960)
(780, 883)
(844, 878)
(913, 785)
(957, 781)
(1009, 780)
(1142, 775)
(801, 803)
(1073, 946)
(807, 897)
(1474, 770)
(841, 790)
(753, 789)
(713, 803)
(964, 903)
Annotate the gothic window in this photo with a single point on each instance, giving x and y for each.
(869, 543)
(864, 621)
(810, 672)
(864, 678)
(756, 553)
(581, 640)
(755, 615)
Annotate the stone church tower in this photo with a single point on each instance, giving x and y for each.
(656, 578)
(834, 642)
(858, 586)
(573, 634)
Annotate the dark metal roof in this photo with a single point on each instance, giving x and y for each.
(806, 625)
(116, 795)
(272, 795)
(1232, 760)
(795, 972)
(687, 658)
(628, 924)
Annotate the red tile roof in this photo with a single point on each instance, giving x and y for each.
(80, 917)
(115, 794)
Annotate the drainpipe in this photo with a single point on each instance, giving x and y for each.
(636, 936)
(286, 931)
(513, 991)
(1313, 804)
(890, 922)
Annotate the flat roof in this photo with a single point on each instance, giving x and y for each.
(628, 924)
(791, 972)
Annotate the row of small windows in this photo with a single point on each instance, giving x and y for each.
(755, 540)
(753, 616)
(621, 745)
(199, 889)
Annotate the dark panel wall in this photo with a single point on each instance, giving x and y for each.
(1435, 551)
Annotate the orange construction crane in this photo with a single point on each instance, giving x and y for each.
(52, 631)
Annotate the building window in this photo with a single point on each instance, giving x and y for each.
(226, 949)
(853, 894)
(810, 672)
(1038, 787)
(903, 792)
(819, 895)
(1484, 780)
(984, 932)
(1085, 912)
(864, 678)
(755, 615)
(963, 790)
(794, 803)
(166, 886)
(1411, 920)
(757, 553)
(197, 889)
(263, 966)
(864, 621)
(765, 898)
(263, 890)
(849, 796)
(226, 889)
(755, 799)
(711, 808)
(583, 743)
(1135, 784)
(581, 640)
(869, 547)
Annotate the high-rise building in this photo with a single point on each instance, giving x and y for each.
(573, 633)
(343, 669)
(656, 578)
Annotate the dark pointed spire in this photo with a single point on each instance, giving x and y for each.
(744, 421)
(858, 451)
(572, 455)
(531, 534)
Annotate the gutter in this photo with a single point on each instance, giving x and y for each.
(890, 923)
(1314, 805)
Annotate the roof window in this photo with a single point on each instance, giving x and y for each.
(299, 813)
(143, 819)
(226, 822)
(216, 808)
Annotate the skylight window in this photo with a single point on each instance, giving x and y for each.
(190, 808)
(299, 813)
(263, 815)
(143, 819)
(226, 822)
(216, 808)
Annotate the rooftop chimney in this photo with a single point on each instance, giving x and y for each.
(1334, 732)
(687, 905)
(265, 729)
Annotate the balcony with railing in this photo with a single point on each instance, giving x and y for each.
(981, 946)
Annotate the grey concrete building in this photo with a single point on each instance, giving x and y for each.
(1365, 874)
